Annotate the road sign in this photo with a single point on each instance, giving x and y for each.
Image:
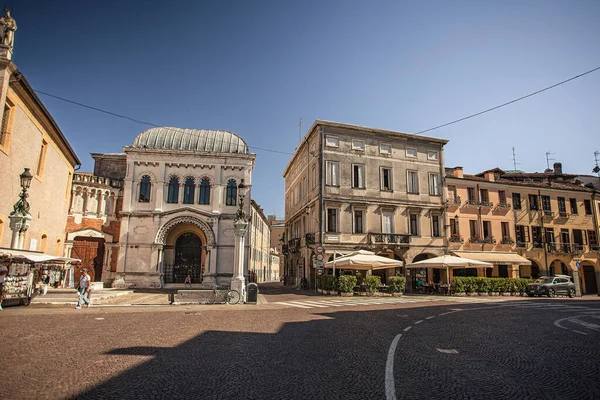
(319, 249)
(320, 271)
(578, 264)
(319, 257)
(320, 264)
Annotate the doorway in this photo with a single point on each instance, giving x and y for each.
(589, 274)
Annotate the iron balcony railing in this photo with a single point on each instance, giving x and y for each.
(507, 240)
(595, 247)
(473, 203)
(294, 245)
(564, 214)
(310, 239)
(487, 204)
(456, 239)
(522, 244)
(489, 240)
(454, 201)
(388, 238)
(548, 213)
(475, 240)
(504, 205)
(538, 245)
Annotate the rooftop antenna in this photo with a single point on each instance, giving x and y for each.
(300, 131)
(515, 163)
(548, 159)
(596, 168)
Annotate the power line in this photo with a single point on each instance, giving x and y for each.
(137, 121)
(510, 102)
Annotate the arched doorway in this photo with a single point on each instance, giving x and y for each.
(529, 271)
(187, 261)
(422, 274)
(90, 250)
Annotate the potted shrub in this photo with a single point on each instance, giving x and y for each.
(346, 285)
(397, 285)
(458, 285)
(372, 282)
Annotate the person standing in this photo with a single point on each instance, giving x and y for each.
(84, 289)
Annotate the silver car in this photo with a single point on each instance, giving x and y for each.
(552, 286)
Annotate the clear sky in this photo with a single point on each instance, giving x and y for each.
(256, 67)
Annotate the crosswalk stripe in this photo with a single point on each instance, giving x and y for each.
(292, 304)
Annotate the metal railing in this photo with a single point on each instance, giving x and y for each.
(309, 239)
(548, 213)
(179, 273)
(487, 204)
(522, 244)
(456, 239)
(294, 245)
(507, 240)
(388, 238)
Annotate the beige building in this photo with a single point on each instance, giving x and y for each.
(30, 138)
(277, 227)
(350, 187)
(526, 224)
(259, 262)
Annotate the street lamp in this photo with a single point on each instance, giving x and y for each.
(240, 226)
(20, 217)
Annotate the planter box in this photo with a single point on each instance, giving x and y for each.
(349, 294)
(371, 294)
(396, 294)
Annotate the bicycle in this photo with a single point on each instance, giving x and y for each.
(229, 297)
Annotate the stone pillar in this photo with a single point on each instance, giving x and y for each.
(73, 200)
(180, 194)
(84, 195)
(19, 225)
(210, 276)
(101, 204)
(577, 283)
(238, 282)
(158, 196)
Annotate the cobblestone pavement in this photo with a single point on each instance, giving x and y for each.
(520, 349)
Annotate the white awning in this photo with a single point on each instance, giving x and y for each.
(34, 256)
(494, 257)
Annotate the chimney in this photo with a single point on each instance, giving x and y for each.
(489, 176)
(457, 172)
(557, 169)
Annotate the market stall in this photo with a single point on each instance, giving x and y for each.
(24, 269)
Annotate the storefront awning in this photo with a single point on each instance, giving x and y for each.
(494, 257)
(34, 256)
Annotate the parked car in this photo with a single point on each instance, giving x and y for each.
(551, 286)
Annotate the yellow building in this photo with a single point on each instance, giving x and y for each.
(526, 224)
(30, 138)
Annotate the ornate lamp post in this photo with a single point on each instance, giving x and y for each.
(240, 227)
(20, 217)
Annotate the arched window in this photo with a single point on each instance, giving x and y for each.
(204, 191)
(189, 191)
(231, 198)
(173, 195)
(145, 186)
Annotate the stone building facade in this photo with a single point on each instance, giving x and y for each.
(30, 138)
(179, 202)
(277, 227)
(526, 224)
(259, 263)
(350, 187)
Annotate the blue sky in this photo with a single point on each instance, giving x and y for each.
(256, 67)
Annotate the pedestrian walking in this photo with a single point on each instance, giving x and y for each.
(84, 289)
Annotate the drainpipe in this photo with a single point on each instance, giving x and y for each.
(479, 220)
(322, 185)
(129, 219)
(595, 214)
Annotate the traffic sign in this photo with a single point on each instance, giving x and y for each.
(320, 264)
(319, 249)
(320, 271)
(578, 264)
(319, 257)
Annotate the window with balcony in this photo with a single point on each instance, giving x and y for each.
(522, 235)
(387, 222)
(332, 220)
(386, 179)
(562, 206)
(592, 240)
(385, 149)
(473, 231)
(358, 176)
(204, 197)
(435, 226)
(173, 191)
(358, 221)
(413, 224)
(533, 202)
(484, 196)
(565, 240)
(516, 199)
(573, 203)
(578, 239)
(434, 184)
(546, 206)
(550, 241)
(358, 145)
(506, 239)
(454, 227)
(412, 182)
(471, 198)
(502, 198)
(487, 231)
(587, 204)
(411, 153)
(7, 124)
(332, 141)
(332, 170)
(536, 236)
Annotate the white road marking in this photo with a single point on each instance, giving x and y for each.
(408, 328)
(418, 322)
(583, 333)
(430, 317)
(589, 325)
(448, 351)
(390, 385)
(292, 304)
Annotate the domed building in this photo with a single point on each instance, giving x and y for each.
(177, 206)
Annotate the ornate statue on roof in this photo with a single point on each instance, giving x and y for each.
(9, 26)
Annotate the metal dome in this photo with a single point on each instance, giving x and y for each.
(191, 140)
